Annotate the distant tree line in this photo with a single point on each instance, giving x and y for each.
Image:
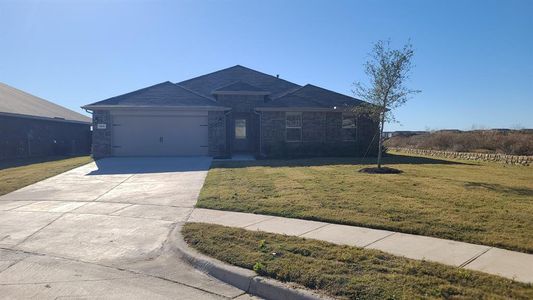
(513, 142)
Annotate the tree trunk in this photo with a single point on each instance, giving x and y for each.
(380, 141)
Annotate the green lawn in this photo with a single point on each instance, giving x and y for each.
(16, 174)
(347, 272)
(484, 203)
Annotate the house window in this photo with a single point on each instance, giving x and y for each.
(240, 129)
(293, 126)
(349, 127)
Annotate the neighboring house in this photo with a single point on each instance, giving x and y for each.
(389, 134)
(31, 127)
(234, 110)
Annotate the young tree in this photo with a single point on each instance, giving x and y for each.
(387, 70)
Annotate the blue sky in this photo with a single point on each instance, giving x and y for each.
(474, 59)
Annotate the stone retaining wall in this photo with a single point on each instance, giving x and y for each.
(502, 158)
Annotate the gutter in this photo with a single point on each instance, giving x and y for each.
(157, 107)
(55, 119)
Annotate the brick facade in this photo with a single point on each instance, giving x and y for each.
(102, 144)
(322, 135)
(22, 137)
(217, 140)
(242, 106)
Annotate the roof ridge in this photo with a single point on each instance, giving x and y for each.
(276, 77)
(238, 81)
(234, 82)
(238, 66)
(307, 98)
(196, 93)
(328, 90)
(130, 93)
(214, 72)
(289, 92)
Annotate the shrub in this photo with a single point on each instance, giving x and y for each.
(259, 268)
(513, 142)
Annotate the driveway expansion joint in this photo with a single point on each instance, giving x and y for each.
(122, 208)
(17, 207)
(96, 199)
(314, 229)
(380, 239)
(258, 222)
(467, 262)
(39, 230)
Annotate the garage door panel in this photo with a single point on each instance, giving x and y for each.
(159, 135)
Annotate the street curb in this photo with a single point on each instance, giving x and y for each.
(240, 278)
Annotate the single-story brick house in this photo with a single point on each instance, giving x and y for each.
(33, 127)
(234, 110)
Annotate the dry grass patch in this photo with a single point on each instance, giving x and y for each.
(482, 203)
(346, 272)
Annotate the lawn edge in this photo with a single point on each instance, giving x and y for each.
(238, 277)
(91, 160)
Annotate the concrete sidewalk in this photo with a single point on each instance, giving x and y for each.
(510, 264)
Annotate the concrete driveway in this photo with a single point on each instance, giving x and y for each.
(100, 231)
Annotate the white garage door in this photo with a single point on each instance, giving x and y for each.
(138, 135)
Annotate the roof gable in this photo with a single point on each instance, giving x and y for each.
(208, 83)
(16, 102)
(314, 96)
(162, 94)
(239, 86)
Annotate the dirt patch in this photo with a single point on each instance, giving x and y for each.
(382, 170)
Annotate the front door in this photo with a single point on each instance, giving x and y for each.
(241, 133)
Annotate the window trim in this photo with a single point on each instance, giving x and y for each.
(346, 128)
(345, 115)
(245, 129)
(293, 127)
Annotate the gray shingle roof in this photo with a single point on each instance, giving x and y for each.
(208, 83)
(162, 94)
(199, 92)
(239, 86)
(17, 102)
(313, 96)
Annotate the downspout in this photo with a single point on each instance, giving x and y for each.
(260, 136)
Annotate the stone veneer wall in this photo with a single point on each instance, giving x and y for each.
(217, 134)
(101, 146)
(502, 158)
(322, 135)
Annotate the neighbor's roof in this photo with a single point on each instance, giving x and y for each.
(314, 96)
(17, 102)
(208, 83)
(162, 94)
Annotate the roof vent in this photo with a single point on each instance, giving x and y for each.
(277, 75)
